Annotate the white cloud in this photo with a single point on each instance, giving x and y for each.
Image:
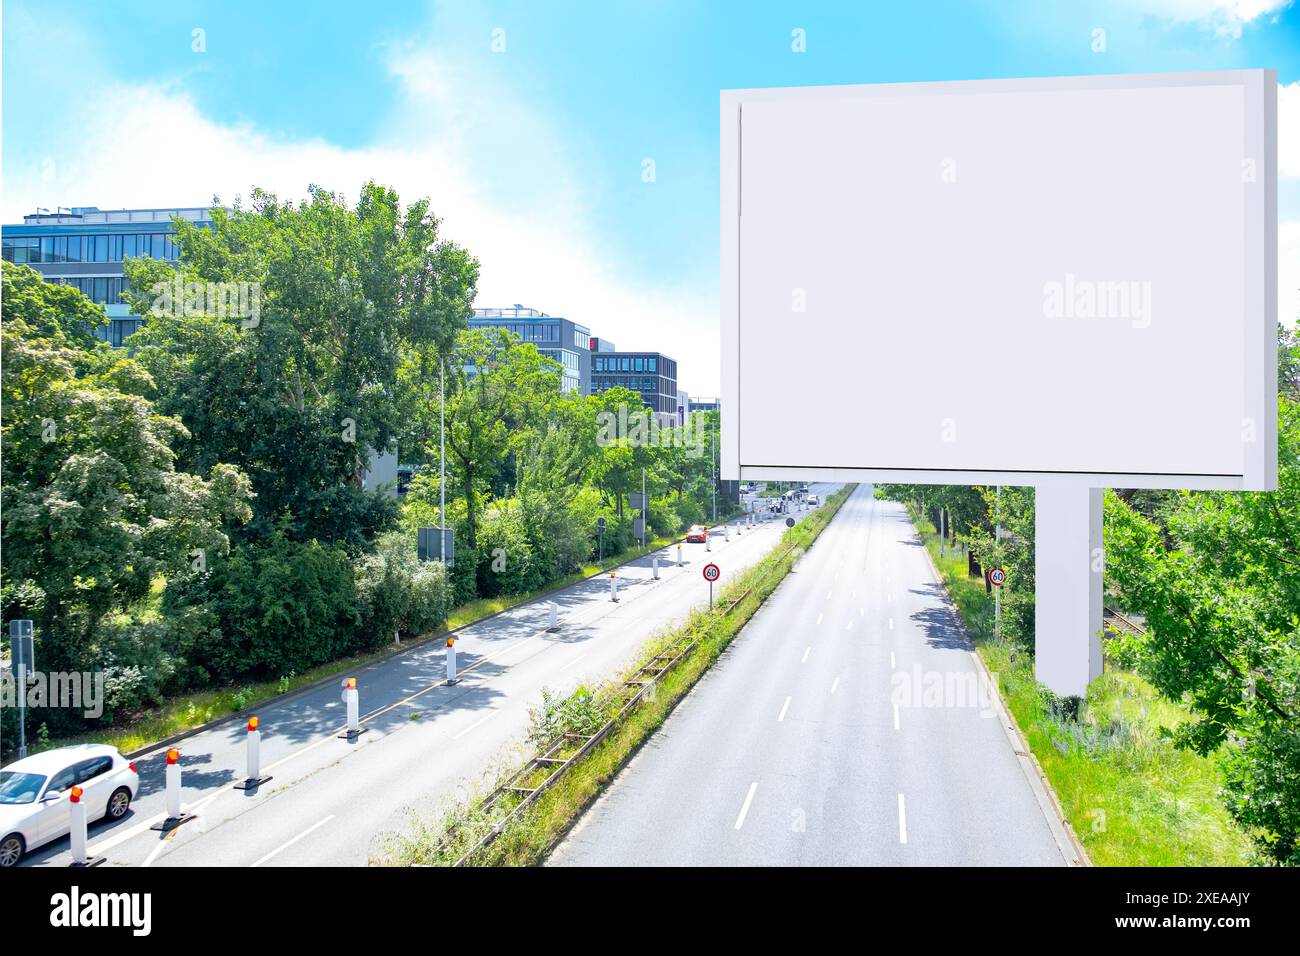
(1226, 18)
(1288, 130)
(1288, 269)
(148, 145)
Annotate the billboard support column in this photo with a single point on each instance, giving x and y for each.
(1068, 569)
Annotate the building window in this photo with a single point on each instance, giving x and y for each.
(650, 364)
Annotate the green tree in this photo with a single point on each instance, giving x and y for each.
(303, 391)
(1222, 607)
(94, 510)
(499, 392)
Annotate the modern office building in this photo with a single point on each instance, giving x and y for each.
(85, 246)
(555, 337)
(652, 374)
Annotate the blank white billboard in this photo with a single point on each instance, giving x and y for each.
(1003, 281)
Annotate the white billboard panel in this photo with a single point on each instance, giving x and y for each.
(1003, 281)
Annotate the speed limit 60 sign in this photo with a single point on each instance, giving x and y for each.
(712, 572)
(997, 577)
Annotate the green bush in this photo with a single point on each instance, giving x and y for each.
(268, 609)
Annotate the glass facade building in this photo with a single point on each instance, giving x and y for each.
(557, 338)
(652, 374)
(85, 247)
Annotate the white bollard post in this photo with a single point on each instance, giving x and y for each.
(352, 698)
(679, 555)
(555, 618)
(173, 784)
(726, 531)
(613, 586)
(78, 834)
(654, 566)
(175, 815)
(253, 778)
(254, 750)
(708, 546)
(451, 660)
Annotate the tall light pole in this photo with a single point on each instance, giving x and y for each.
(714, 463)
(442, 456)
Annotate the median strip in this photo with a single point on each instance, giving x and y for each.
(589, 736)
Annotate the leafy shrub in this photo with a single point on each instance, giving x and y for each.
(268, 609)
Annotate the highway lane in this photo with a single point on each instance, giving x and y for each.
(847, 725)
(425, 742)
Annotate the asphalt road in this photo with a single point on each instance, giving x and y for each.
(846, 725)
(338, 802)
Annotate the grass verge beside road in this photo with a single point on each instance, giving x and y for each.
(1133, 798)
(528, 833)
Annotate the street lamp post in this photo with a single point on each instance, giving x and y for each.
(442, 456)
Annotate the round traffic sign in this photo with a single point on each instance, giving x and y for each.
(789, 522)
(712, 572)
(997, 577)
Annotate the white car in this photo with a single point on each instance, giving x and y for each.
(813, 501)
(34, 803)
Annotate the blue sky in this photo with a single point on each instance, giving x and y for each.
(533, 151)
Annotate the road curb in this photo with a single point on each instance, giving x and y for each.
(1067, 841)
(383, 657)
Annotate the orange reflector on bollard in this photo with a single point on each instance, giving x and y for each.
(76, 794)
(173, 755)
(252, 724)
(451, 642)
(352, 683)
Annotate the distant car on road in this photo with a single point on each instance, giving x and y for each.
(34, 804)
(697, 535)
(814, 500)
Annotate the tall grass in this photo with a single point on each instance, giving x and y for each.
(1132, 797)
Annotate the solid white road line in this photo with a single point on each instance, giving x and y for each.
(902, 820)
(834, 684)
(476, 725)
(784, 707)
(744, 807)
(806, 651)
(284, 846)
(153, 854)
(895, 716)
(891, 660)
(819, 618)
(891, 623)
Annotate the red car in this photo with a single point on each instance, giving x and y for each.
(697, 535)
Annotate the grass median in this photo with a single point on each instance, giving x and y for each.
(529, 832)
(1133, 798)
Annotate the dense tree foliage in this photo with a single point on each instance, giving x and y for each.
(1222, 606)
(94, 509)
(193, 511)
